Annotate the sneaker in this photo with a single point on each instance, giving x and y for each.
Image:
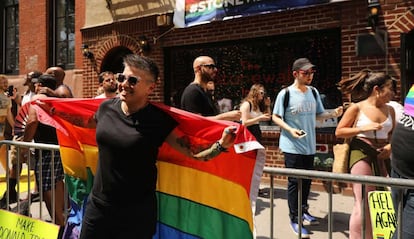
(12, 199)
(295, 228)
(35, 197)
(23, 208)
(309, 219)
(263, 192)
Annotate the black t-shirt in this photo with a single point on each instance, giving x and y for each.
(194, 99)
(402, 149)
(128, 148)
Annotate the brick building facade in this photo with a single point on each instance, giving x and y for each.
(108, 40)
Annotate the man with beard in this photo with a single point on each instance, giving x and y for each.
(108, 84)
(195, 98)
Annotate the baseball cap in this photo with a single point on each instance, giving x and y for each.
(32, 75)
(302, 64)
(46, 80)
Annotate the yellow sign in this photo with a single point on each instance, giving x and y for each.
(383, 218)
(17, 226)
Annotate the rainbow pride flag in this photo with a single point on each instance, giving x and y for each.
(409, 102)
(214, 199)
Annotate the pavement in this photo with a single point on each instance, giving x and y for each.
(318, 207)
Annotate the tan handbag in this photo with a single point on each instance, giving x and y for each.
(341, 157)
(341, 154)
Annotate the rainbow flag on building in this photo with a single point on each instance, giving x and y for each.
(214, 199)
(409, 102)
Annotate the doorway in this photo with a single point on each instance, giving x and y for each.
(113, 60)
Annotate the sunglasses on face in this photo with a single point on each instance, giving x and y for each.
(262, 92)
(210, 66)
(132, 80)
(307, 73)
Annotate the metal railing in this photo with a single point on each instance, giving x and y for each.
(329, 177)
(301, 174)
(29, 161)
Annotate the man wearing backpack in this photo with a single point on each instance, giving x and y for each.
(296, 110)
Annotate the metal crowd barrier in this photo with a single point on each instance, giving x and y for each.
(330, 178)
(272, 171)
(29, 162)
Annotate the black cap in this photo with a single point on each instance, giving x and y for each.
(302, 64)
(46, 80)
(31, 75)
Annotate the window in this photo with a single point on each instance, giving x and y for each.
(10, 37)
(268, 60)
(63, 34)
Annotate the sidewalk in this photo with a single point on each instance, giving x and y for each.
(318, 203)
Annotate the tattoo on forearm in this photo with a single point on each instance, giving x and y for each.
(209, 153)
(200, 152)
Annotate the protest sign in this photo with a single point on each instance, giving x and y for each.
(383, 218)
(17, 226)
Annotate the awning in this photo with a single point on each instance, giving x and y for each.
(194, 12)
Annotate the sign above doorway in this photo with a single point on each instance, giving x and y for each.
(196, 12)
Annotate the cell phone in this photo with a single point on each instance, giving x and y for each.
(302, 133)
(10, 90)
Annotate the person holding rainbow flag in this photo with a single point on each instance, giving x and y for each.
(402, 164)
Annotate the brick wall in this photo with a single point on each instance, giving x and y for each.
(350, 16)
(33, 35)
(396, 17)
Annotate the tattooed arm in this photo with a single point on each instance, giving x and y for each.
(78, 120)
(180, 142)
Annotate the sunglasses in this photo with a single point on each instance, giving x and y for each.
(262, 92)
(210, 66)
(132, 80)
(307, 73)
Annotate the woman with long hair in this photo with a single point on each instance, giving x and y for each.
(254, 109)
(369, 121)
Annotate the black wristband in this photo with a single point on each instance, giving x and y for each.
(220, 147)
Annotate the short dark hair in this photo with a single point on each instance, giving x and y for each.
(34, 74)
(102, 74)
(46, 80)
(143, 63)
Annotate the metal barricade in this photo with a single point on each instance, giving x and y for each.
(272, 171)
(329, 177)
(29, 161)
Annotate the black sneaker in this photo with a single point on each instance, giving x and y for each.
(263, 192)
(12, 199)
(35, 197)
(22, 208)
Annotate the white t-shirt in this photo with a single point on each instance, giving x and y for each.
(27, 97)
(398, 108)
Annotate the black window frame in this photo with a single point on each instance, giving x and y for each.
(10, 37)
(58, 57)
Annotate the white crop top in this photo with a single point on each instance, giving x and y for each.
(254, 114)
(380, 134)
